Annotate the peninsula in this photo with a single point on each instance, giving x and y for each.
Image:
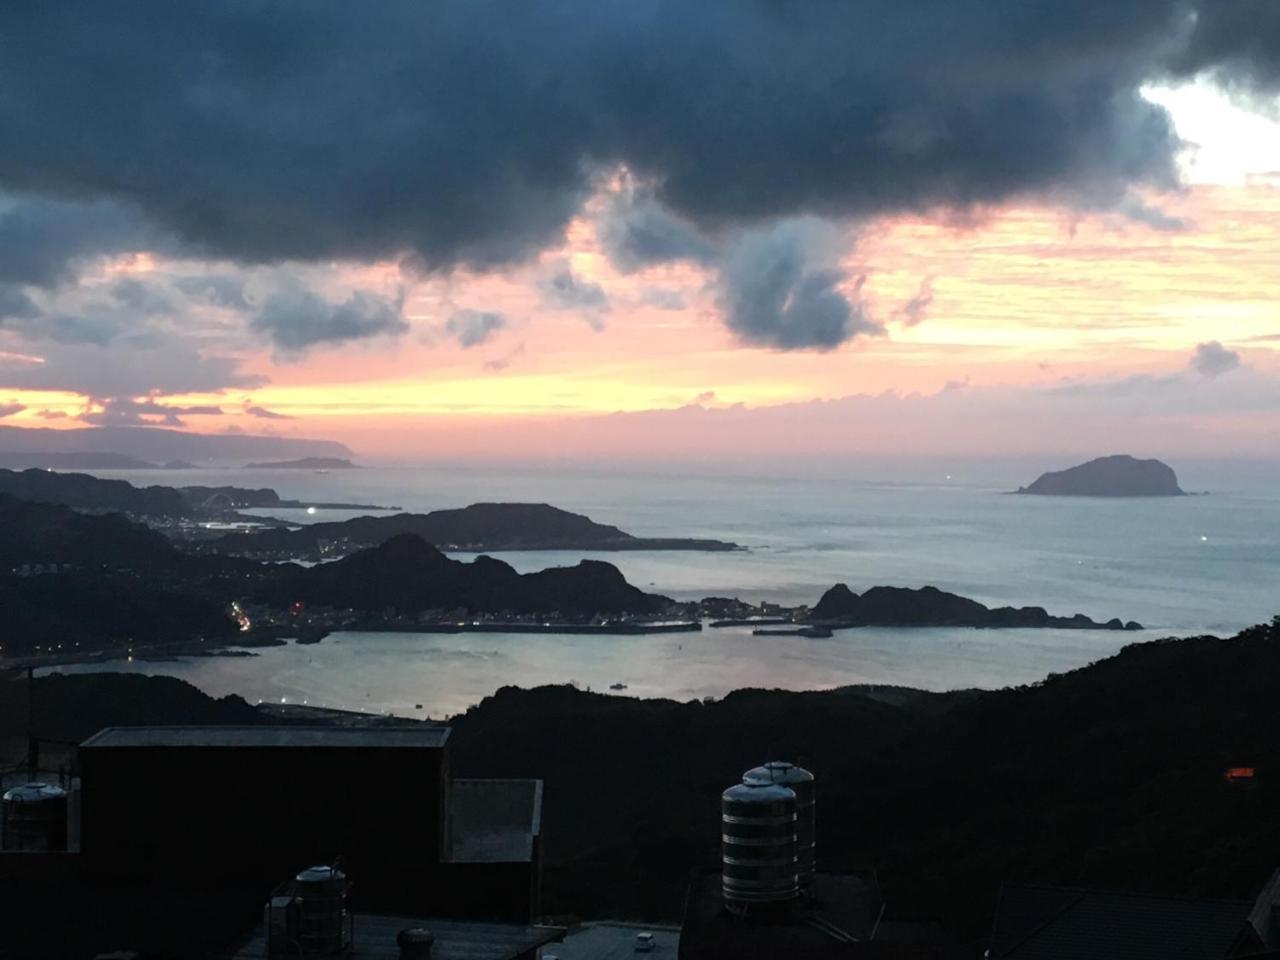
(1115, 476)
(84, 492)
(79, 585)
(479, 528)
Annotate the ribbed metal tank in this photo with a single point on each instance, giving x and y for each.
(802, 782)
(758, 844)
(321, 893)
(34, 817)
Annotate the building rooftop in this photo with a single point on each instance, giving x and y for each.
(614, 941)
(1041, 922)
(375, 939)
(494, 821)
(842, 915)
(423, 736)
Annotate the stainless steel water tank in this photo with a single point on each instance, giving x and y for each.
(758, 844)
(33, 817)
(321, 895)
(802, 782)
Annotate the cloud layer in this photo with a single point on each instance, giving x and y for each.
(470, 133)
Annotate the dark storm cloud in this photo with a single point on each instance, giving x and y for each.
(141, 298)
(637, 233)
(297, 319)
(1237, 40)
(473, 327)
(778, 289)
(43, 241)
(14, 302)
(219, 290)
(469, 132)
(90, 325)
(1212, 359)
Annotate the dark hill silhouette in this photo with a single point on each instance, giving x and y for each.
(480, 527)
(1109, 776)
(43, 533)
(84, 492)
(73, 460)
(931, 607)
(73, 582)
(408, 574)
(157, 445)
(73, 707)
(230, 498)
(1116, 476)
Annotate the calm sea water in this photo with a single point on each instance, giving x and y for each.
(1180, 566)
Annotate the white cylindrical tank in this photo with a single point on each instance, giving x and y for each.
(802, 782)
(758, 844)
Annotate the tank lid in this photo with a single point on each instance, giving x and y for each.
(777, 771)
(758, 793)
(34, 793)
(320, 874)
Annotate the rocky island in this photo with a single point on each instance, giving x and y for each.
(1115, 476)
(931, 607)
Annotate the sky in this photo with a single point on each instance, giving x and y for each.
(644, 228)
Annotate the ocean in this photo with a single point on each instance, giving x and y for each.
(1181, 566)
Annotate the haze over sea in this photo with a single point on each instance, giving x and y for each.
(1180, 566)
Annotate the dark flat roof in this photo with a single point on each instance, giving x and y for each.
(842, 916)
(1043, 922)
(423, 737)
(375, 939)
(607, 940)
(494, 821)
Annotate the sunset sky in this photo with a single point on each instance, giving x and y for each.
(631, 283)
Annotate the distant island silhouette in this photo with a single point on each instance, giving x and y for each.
(1115, 476)
(145, 447)
(305, 463)
(930, 607)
